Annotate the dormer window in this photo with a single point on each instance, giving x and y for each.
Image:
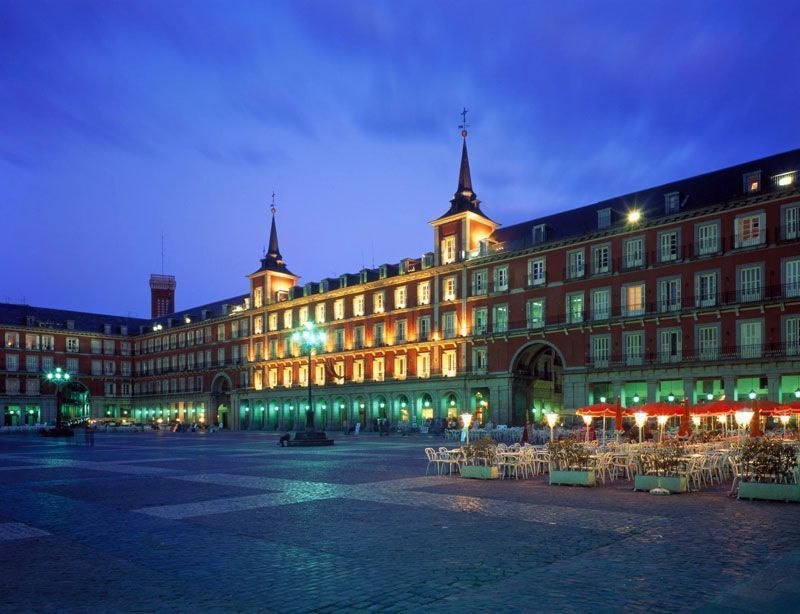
(752, 182)
(603, 218)
(785, 180)
(672, 202)
(384, 271)
(324, 286)
(364, 276)
(539, 233)
(343, 281)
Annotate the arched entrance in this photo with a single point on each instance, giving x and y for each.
(360, 411)
(273, 416)
(74, 399)
(400, 413)
(379, 409)
(424, 409)
(221, 401)
(339, 415)
(537, 373)
(451, 406)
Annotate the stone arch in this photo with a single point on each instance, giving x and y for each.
(450, 404)
(537, 371)
(220, 410)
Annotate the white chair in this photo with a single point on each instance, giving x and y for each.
(433, 459)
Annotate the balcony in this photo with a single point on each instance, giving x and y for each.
(759, 351)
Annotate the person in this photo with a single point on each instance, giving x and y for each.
(284, 440)
(358, 428)
(525, 434)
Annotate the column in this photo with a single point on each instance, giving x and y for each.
(652, 387)
(773, 388)
(689, 389)
(729, 386)
(616, 391)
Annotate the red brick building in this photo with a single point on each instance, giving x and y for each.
(689, 289)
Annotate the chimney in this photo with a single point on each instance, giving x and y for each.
(162, 295)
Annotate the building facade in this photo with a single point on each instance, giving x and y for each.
(690, 289)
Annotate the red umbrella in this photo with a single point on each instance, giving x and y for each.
(618, 416)
(660, 408)
(598, 410)
(685, 429)
(714, 408)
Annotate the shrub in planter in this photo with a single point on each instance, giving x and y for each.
(768, 471)
(480, 452)
(569, 463)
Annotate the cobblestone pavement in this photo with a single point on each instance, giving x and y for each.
(231, 522)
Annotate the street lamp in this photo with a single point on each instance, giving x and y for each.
(551, 418)
(784, 421)
(743, 418)
(636, 398)
(467, 418)
(752, 395)
(587, 420)
(797, 394)
(662, 421)
(602, 399)
(709, 397)
(641, 420)
(309, 340)
(59, 378)
(671, 397)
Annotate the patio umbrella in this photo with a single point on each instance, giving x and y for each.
(755, 423)
(719, 408)
(659, 408)
(685, 429)
(598, 410)
(618, 416)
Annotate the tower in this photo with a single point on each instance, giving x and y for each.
(272, 281)
(463, 228)
(162, 295)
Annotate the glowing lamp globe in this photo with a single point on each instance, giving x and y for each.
(602, 399)
(784, 419)
(752, 395)
(641, 418)
(709, 397)
(662, 420)
(721, 419)
(467, 418)
(696, 420)
(671, 398)
(551, 418)
(743, 417)
(587, 420)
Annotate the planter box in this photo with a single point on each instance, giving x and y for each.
(772, 492)
(573, 478)
(479, 472)
(649, 482)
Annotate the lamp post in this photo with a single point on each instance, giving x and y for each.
(743, 418)
(59, 378)
(587, 420)
(641, 420)
(662, 421)
(467, 419)
(551, 418)
(784, 421)
(309, 339)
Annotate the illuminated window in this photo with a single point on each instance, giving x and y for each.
(752, 182)
(378, 302)
(358, 370)
(480, 320)
(785, 180)
(423, 364)
(378, 371)
(449, 292)
(500, 318)
(750, 230)
(448, 250)
(633, 299)
(358, 305)
(534, 312)
(575, 308)
(338, 309)
(400, 366)
(400, 297)
(273, 321)
(424, 293)
(449, 363)
(287, 318)
(258, 297)
(319, 313)
(302, 316)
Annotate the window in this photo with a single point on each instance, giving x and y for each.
(302, 375)
(12, 386)
(601, 350)
(752, 182)
(534, 312)
(12, 362)
(708, 239)
(448, 250)
(358, 305)
(750, 230)
(258, 326)
(302, 316)
(400, 331)
(784, 180)
(12, 341)
(48, 342)
(750, 283)
(500, 318)
(601, 255)
(634, 348)
(449, 363)
(705, 289)
(668, 246)
(707, 342)
(235, 328)
(287, 377)
(575, 264)
(97, 346)
(603, 218)
(536, 272)
(670, 345)
(97, 367)
(221, 356)
(32, 386)
(480, 320)
(358, 337)
(539, 233)
(479, 362)
(669, 294)
(400, 367)
(338, 309)
(319, 313)
(423, 364)
(73, 344)
(47, 364)
(272, 377)
(601, 304)
(501, 279)
(574, 308)
(750, 339)
(378, 302)
(791, 278)
(449, 293)
(31, 342)
(378, 368)
(400, 297)
(634, 253)
(258, 297)
(424, 293)
(792, 336)
(72, 365)
(108, 367)
(221, 331)
(449, 324)
(791, 221)
(378, 338)
(672, 202)
(479, 282)
(32, 364)
(424, 329)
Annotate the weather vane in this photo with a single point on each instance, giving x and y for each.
(273, 209)
(464, 123)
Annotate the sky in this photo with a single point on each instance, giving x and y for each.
(122, 121)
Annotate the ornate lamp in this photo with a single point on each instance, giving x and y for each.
(641, 419)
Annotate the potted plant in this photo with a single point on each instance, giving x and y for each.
(569, 464)
(661, 470)
(480, 457)
(768, 471)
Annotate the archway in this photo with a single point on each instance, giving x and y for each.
(537, 372)
(339, 412)
(450, 406)
(360, 411)
(74, 399)
(273, 417)
(379, 409)
(400, 409)
(424, 408)
(221, 401)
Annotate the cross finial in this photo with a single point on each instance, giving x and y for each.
(273, 209)
(464, 125)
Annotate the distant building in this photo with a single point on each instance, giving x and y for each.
(689, 289)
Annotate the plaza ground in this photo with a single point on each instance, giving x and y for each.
(231, 522)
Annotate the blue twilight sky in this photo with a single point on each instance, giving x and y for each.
(120, 120)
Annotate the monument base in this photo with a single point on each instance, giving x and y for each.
(309, 438)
